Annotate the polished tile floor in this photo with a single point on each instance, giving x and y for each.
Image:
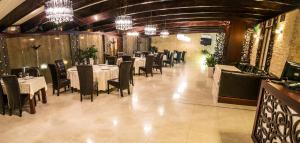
(176, 107)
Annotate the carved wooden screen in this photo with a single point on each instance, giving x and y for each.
(271, 45)
(4, 66)
(74, 45)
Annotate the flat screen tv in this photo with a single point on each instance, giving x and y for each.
(291, 71)
(205, 41)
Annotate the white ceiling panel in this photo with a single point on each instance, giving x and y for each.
(6, 6)
(30, 15)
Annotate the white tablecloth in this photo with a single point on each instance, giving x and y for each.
(139, 62)
(102, 73)
(30, 85)
(216, 79)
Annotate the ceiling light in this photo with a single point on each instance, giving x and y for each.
(164, 33)
(150, 29)
(135, 34)
(123, 22)
(59, 11)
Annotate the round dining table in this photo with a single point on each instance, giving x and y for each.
(101, 73)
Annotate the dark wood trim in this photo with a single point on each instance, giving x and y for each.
(237, 101)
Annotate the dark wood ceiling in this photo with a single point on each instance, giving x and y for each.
(179, 15)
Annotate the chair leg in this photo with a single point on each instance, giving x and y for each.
(139, 71)
(20, 112)
(65, 89)
(107, 88)
(72, 89)
(10, 112)
(121, 91)
(53, 91)
(81, 97)
(129, 90)
(151, 73)
(3, 109)
(97, 91)
(92, 97)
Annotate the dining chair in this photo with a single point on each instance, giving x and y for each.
(126, 58)
(15, 99)
(178, 57)
(86, 81)
(124, 76)
(58, 80)
(137, 54)
(183, 56)
(158, 64)
(120, 54)
(170, 60)
(2, 99)
(132, 71)
(148, 67)
(111, 60)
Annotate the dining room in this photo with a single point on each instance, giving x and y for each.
(149, 71)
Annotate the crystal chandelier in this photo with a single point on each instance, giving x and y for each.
(123, 22)
(150, 29)
(164, 33)
(59, 11)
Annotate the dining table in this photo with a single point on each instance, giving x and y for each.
(101, 74)
(30, 86)
(138, 62)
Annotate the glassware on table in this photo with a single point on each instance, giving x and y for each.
(20, 74)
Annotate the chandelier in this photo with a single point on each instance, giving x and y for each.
(123, 22)
(150, 29)
(164, 33)
(59, 11)
(133, 34)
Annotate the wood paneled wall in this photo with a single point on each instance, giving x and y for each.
(52, 47)
(235, 36)
(88, 40)
(131, 44)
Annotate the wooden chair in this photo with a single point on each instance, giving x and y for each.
(123, 81)
(158, 64)
(170, 60)
(148, 67)
(178, 57)
(58, 80)
(86, 81)
(183, 56)
(126, 58)
(111, 60)
(132, 71)
(2, 100)
(15, 99)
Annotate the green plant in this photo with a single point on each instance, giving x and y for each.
(90, 52)
(205, 52)
(210, 60)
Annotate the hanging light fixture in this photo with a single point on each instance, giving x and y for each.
(133, 34)
(124, 22)
(164, 33)
(150, 29)
(59, 11)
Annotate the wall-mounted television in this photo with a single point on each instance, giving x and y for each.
(205, 40)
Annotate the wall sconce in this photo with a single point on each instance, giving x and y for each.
(65, 62)
(31, 39)
(81, 37)
(56, 38)
(278, 31)
(44, 66)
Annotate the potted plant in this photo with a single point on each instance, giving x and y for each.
(88, 54)
(210, 62)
